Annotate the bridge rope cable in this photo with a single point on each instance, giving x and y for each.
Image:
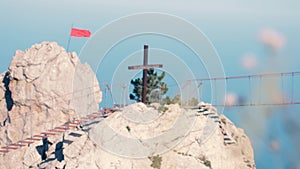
(257, 104)
(203, 79)
(31, 110)
(259, 89)
(282, 86)
(292, 88)
(24, 125)
(215, 91)
(250, 90)
(247, 76)
(30, 122)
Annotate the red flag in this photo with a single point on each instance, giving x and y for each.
(80, 33)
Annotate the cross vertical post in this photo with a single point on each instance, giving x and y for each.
(145, 68)
(145, 71)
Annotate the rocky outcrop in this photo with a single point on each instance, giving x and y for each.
(212, 141)
(2, 100)
(204, 146)
(44, 83)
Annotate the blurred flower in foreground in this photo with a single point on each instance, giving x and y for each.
(249, 61)
(230, 99)
(274, 145)
(272, 38)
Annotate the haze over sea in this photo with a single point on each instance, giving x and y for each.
(237, 29)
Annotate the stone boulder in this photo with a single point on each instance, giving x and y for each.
(45, 85)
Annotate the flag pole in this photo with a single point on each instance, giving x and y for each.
(69, 40)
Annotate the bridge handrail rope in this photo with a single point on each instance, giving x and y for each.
(249, 89)
(257, 104)
(247, 76)
(293, 77)
(250, 82)
(68, 124)
(260, 77)
(203, 79)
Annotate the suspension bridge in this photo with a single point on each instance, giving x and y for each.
(76, 122)
(282, 77)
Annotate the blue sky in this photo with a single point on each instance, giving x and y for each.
(226, 23)
(232, 26)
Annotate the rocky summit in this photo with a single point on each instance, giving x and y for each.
(45, 87)
(37, 94)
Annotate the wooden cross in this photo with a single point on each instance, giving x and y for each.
(145, 68)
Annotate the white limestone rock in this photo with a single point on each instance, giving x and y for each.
(199, 149)
(43, 81)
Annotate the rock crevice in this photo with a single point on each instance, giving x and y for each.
(8, 98)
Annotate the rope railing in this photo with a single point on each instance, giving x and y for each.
(33, 108)
(247, 76)
(286, 83)
(257, 104)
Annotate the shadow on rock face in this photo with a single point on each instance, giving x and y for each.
(8, 98)
(40, 149)
(59, 155)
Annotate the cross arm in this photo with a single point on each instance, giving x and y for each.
(145, 66)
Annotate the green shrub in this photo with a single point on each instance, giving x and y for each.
(223, 120)
(128, 128)
(207, 163)
(156, 161)
(162, 109)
